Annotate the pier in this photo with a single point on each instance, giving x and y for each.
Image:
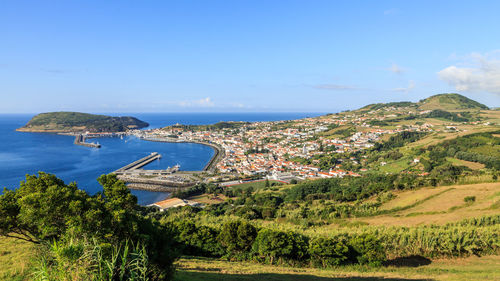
(153, 180)
(139, 163)
(80, 140)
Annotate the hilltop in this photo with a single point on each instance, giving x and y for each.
(450, 101)
(80, 122)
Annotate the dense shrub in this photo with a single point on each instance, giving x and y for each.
(44, 209)
(237, 237)
(271, 245)
(327, 252)
(470, 199)
(196, 240)
(368, 249)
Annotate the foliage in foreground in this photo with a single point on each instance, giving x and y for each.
(63, 219)
(241, 240)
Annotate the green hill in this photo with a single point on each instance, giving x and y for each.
(375, 106)
(449, 102)
(440, 102)
(80, 122)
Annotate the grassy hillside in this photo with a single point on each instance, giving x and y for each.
(76, 121)
(449, 102)
(438, 205)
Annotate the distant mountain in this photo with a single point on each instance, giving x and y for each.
(449, 102)
(80, 122)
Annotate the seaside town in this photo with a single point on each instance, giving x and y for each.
(282, 150)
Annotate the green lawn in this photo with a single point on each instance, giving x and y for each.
(396, 166)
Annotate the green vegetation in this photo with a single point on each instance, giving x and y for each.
(389, 104)
(83, 237)
(438, 113)
(449, 102)
(211, 127)
(399, 140)
(75, 121)
(483, 148)
(407, 201)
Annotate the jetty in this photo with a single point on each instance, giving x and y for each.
(139, 163)
(153, 180)
(80, 140)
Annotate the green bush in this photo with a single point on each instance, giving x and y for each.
(470, 199)
(328, 252)
(271, 246)
(368, 249)
(44, 209)
(196, 240)
(237, 237)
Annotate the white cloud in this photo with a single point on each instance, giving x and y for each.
(411, 85)
(334, 87)
(396, 69)
(206, 102)
(476, 73)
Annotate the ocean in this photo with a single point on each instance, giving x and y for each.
(27, 153)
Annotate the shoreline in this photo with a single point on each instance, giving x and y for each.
(210, 166)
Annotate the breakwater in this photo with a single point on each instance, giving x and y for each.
(139, 163)
(80, 140)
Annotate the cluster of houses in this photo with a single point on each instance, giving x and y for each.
(279, 146)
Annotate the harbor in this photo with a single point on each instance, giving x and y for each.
(154, 180)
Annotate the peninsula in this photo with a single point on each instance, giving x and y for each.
(74, 122)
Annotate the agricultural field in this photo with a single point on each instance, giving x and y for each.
(468, 164)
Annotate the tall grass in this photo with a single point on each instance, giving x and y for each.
(91, 260)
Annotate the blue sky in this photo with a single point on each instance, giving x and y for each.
(241, 56)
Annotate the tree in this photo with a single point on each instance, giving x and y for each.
(237, 236)
(328, 251)
(368, 249)
(272, 245)
(45, 209)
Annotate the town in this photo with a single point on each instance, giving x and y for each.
(284, 150)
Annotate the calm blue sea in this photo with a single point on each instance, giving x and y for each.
(27, 153)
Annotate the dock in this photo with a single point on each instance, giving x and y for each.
(152, 180)
(80, 140)
(139, 163)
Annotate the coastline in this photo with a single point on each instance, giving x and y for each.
(212, 163)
